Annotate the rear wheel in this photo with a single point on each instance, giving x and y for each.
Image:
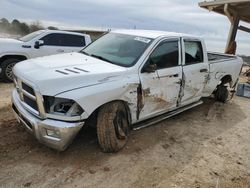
(7, 68)
(221, 93)
(112, 127)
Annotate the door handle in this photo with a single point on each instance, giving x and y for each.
(60, 50)
(203, 70)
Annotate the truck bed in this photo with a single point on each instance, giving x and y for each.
(221, 65)
(214, 57)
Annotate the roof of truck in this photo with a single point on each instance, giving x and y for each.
(152, 33)
(62, 31)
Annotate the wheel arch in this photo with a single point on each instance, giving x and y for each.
(93, 116)
(20, 57)
(225, 79)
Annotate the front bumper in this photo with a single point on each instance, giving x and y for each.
(65, 131)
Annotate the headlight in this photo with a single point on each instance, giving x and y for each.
(62, 107)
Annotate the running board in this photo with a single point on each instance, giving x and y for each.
(162, 117)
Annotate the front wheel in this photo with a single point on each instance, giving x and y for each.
(112, 127)
(7, 69)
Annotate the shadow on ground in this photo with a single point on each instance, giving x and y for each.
(167, 146)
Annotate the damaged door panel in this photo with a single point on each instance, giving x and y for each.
(195, 70)
(160, 89)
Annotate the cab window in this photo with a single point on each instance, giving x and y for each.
(59, 39)
(193, 52)
(165, 55)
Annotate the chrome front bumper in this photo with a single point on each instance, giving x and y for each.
(65, 131)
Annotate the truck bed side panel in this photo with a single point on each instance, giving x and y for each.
(220, 68)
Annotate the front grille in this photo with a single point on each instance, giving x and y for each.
(30, 102)
(27, 95)
(28, 89)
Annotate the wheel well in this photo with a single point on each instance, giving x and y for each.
(93, 117)
(225, 79)
(20, 57)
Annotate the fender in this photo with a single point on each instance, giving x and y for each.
(26, 55)
(93, 97)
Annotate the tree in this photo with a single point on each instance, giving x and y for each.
(52, 28)
(21, 28)
(4, 21)
(24, 28)
(15, 22)
(4, 24)
(15, 26)
(34, 26)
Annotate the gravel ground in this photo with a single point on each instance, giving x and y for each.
(207, 146)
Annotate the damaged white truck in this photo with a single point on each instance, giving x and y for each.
(125, 80)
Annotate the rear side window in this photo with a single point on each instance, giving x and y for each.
(73, 40)
(166, 55)
(58, 39)
(193, 52)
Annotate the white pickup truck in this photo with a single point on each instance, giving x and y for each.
(125, 80)
(37, 44)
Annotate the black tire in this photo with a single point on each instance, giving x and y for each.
(7, 67)
(112, 127)
(221, 93)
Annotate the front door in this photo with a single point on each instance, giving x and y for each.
(195, 71)
(160, 88)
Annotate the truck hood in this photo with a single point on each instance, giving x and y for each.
(56, 74)
(6, 43)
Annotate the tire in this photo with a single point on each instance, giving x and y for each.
(112, 127)
(7, 67)
(222, 93)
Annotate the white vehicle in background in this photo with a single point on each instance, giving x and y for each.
(124, 80)
(37, 44)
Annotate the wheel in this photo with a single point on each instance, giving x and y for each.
(112, 127)
(7, 66)
(221, 93)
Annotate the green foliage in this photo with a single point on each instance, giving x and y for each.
(52, 28)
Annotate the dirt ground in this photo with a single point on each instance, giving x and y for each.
(207, 146)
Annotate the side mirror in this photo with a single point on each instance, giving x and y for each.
(38, 44)
(149, 68)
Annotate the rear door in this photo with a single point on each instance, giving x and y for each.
(161, 88)
(72, 43)
(195, 70)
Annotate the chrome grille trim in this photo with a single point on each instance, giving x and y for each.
(29, 95)
(38, 98)
(40, 104)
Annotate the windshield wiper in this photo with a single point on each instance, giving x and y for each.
(101, 58)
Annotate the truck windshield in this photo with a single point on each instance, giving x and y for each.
(30, 36)
(119, 49)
